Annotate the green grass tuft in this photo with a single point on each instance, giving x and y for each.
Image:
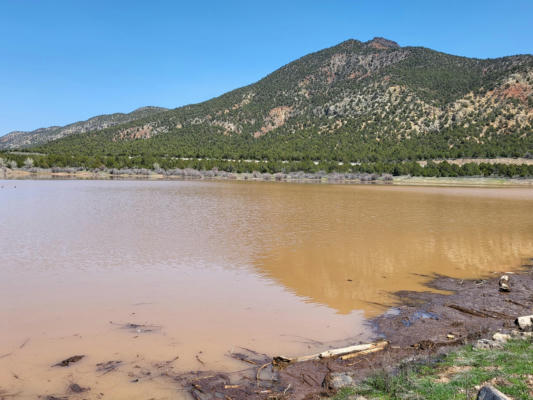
(509, 369)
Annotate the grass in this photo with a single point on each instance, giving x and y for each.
(509, 369)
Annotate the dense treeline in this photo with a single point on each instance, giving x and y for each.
(413, 168)
(344, 145)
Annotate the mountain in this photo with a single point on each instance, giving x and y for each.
(18, 139)
(358, 101)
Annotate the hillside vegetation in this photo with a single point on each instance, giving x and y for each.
(21, 139)
(371, 103)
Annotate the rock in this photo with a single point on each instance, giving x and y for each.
(75, 388)
(521, 335)
(337, 380)
(501, 337)
(486, 344)
(490, 393)
(525, 323)
(504, 284)
(200, 395)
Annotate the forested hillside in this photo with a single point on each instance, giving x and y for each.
(21, 139)
(372, 102)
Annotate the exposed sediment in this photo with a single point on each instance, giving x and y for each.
(424, 325)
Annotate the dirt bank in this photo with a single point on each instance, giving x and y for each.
(422, 326)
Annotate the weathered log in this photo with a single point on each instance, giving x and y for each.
(379, 346)
(280, 360)
(232, 386)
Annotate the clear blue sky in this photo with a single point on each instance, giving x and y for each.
(64, 61)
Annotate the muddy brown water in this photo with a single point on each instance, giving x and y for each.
(211, 266)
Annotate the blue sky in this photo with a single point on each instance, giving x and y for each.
(64, 61)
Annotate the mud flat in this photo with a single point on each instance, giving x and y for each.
(424, 325)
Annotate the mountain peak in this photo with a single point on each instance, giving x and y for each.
(382, 43)
(149, 108)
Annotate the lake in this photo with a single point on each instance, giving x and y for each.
(203, 268)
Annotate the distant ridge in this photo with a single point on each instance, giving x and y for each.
(19, 139)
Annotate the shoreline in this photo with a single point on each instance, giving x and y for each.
(319, 178)
(418, 329)
(422, 328)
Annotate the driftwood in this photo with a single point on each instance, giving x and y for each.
(259, 371)
(496, 314)
(199, 359)
(378, 347)
(480, 313)
(107, 367)
(232, 386)
(24, 343)
(344, 352)
(242, 357)
(517, 303)
(250, 357)
(166, 364)
(469, 311)
(68, 361)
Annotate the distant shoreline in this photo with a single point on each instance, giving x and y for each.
(300, 177)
